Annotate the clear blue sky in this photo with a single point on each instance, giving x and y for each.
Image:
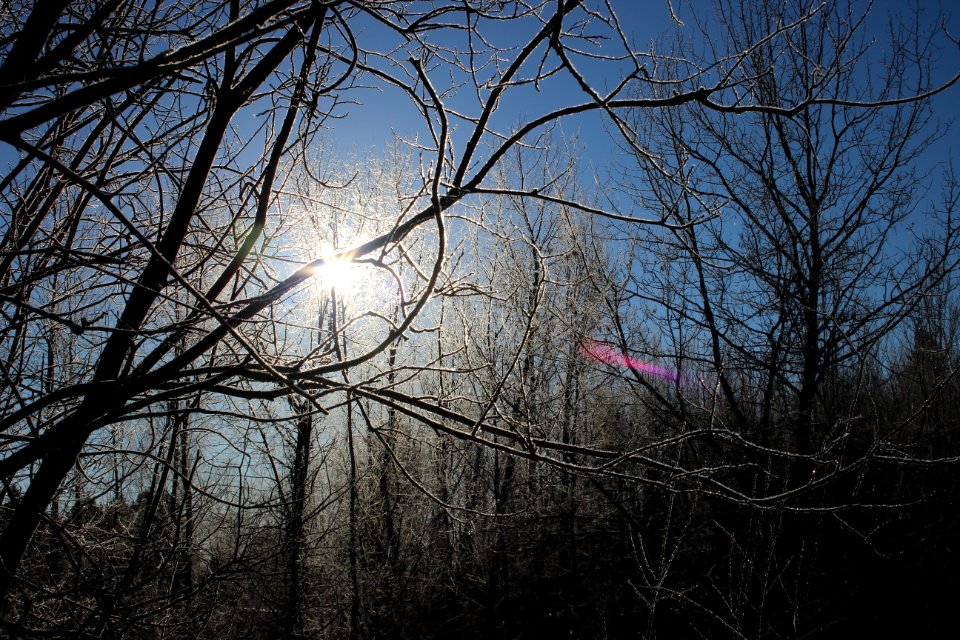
(372, 124)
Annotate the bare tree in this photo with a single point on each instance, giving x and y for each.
(787, 268)
(145, 266)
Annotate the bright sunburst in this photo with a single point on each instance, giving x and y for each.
(340, 274)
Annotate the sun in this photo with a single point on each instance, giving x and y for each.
(339, 273)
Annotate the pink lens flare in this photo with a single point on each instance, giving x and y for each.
(608, 354)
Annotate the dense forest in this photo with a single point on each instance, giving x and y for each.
(614, 338)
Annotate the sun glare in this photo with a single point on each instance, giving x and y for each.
(342, 275)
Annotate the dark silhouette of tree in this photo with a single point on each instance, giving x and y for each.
(789, 265)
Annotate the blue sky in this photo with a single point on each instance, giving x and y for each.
(371, 125)
(385, 113)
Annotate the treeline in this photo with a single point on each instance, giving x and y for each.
(704, 522)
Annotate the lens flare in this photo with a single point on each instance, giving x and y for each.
(608, 354)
